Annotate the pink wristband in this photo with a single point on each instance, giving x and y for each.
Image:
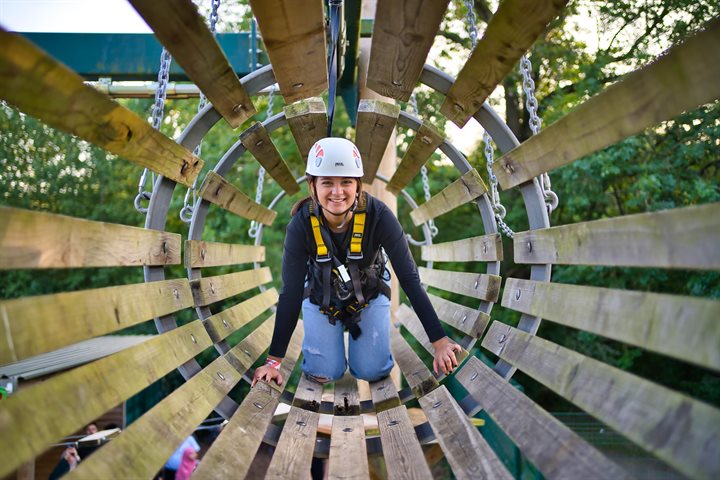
(272, 363)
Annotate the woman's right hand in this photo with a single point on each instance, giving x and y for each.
(267, 373)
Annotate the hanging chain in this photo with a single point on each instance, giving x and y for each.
(472, 22)
(497, 206)
(424, 172)
(531, 103)
(255, 226)
(186, 213)
(157, 117)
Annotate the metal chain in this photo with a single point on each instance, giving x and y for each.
(186, 213)
(424, 171)
(531, 103)
(255, 226)
(497, 206)
(157, 117)
(472, 22)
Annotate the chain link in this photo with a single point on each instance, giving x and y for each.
(497, 206)
(531, 103)
(424, 171)
(255, 226)
(186, 213)
(157, 117)
(472, 22)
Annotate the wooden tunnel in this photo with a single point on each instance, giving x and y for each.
(681, 431)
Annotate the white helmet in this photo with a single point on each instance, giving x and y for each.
(334, 157)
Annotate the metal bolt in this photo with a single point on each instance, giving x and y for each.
(463, 319)
(458, 107)
(474, 376)
(508, 168)
(298, 85)
(225, 323)
(502, 338)
(392, 423)
(381, 387)
(426, 140)
(347, 429)
(176, 293)
(437, 404)
(192, 337)
(258, 143)
(202, 253)
(529, 246)
(237, 108)
(477, 282)
(517, 294)
(301, 423)
(396, 83)
(212, 287)
(258, 405)
(222, 377)
(247, 353)
(484, 247)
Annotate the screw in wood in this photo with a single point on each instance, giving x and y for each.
(347, 429)
(502, 338)
(298, 85)
(176, 293)
(458, 108)
(258, 143)
(463, 319)
(529, 247)
(477, 282)
(517, 294)
(426, 140)
(258, 405)
(474, 376)
(301, 423)
(237, 108)
(397, 83)
(222, 377)
(392, 423)
(192, 337)
(437, 404)
(225, 323)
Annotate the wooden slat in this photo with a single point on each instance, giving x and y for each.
(34, 325)
(468, 453)
(199, 254)
(215, 189)
(468, 320)
(347, 442)
(248, 350)
(676, 428)
(293, 32)
(45, 412)
(256, 140)
(485, 248)
(376, 122)
(209, 290)
(511, 32)
(678, 238)
(228, 321)
(308, 394)
(482, 286)
(183, 31)
(463, 190)
(426, 140)
(45, 240)
(410, 320)
(402, 36)
(681, 80)
(420, 379)
(294, 452)
(648, 320)
(233, 451)
(404, 458)
(384, 394)
(307, 120)
(552, 447)
(162, 429)
(42, 87)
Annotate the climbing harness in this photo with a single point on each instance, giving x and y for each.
(186, 212)
(335, 7)
(157, 116)
(255, 225)
(353, 287)
(551, 198)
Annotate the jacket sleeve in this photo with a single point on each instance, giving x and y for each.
(392, 238)
(294, 270)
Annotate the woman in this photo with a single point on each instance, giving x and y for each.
(333, 267)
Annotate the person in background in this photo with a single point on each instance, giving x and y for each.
(175, 460)
(187, 464)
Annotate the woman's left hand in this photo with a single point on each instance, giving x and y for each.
(445, 359)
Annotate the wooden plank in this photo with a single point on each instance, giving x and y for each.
(484, 248)
(678, 238)
(256, 140)
(402, 36)
(38, 415)
(681, 80)
(420, 379)
(648, 320)
(511, 32)
(347, 399)
(162, 429)
(231, 455)
(307, 120)
(228, 321)
(410, 320)
(183, 31)
(308, 394)
(676, 428)
(468, 320)
(404, 458)
(376, 122)
(294, 452)
(39, 324)
(44, 240)
(552, 447)
(199, 254)
(209, 290)
(463, 190)
(293, 32)
(44, 88)
(248, 350)
(215, 189)
(384, 394)
(468, 453)
(426, 141)
(482, 286)
(348, 452)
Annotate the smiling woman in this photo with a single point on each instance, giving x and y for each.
(334, 267)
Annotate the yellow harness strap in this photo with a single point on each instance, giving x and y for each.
(322, 250)
(357, 233)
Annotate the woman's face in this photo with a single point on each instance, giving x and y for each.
(336, 194)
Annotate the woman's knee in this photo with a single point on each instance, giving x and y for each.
(372, 372)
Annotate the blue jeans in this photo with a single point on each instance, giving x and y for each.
(324, 348)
